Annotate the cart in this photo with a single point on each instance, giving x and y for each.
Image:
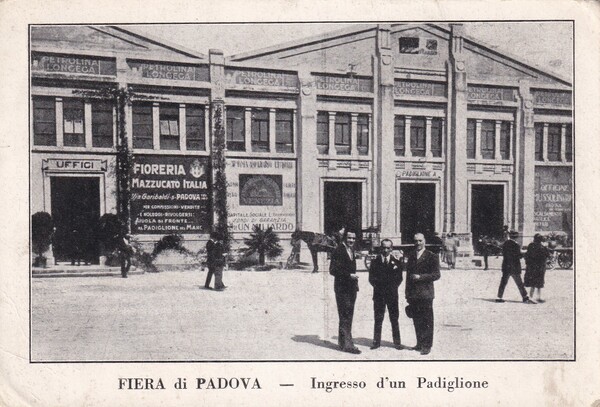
(563, 256)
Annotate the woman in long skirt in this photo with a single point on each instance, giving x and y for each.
(535, 258)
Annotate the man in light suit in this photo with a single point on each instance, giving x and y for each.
(422, 269)
(385, 275)
(343, 268)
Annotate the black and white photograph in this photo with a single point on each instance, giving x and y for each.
(293, 203)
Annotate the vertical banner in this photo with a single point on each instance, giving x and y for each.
(170, 195)
(553, 199)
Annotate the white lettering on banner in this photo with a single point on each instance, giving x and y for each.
(158, 169)
(72, 65)
(55, 164)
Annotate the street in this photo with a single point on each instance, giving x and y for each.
(286, 315)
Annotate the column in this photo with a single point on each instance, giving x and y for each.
(478, 139)
(511, 140)
(525, 161)
(182, 128)
(497, 131)
(87, 122)
(156, 125)
(207, 144)
(128, 125)
(60, 132)
(563, 142)
(295, 130)
(428, 137)
(272, 128)
(332, 151)
(545, 143)
(248, 129)
(407, 151)
(353, 134)
(217, 116)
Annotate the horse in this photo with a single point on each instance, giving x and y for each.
(316, 242)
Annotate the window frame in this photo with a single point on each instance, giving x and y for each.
(487, 138)
(260, 131)
(103, 134)
(418, 147)
(284, 131)
(73, 120)
(362, 133)
(400, 135)
(142, 139)
(323, 120)
(195, 129)
(342, 132)
(44, 125)
(235, 120)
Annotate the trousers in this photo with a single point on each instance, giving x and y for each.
(345, 299)
(518, 281)
(381, 300)
(423, 321)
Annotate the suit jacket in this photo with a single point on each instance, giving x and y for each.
(385, 277)
(214, 254)
(428, 267)
(511, 257)
(342, 267)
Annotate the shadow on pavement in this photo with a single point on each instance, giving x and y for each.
(494, 300)
(315, 340)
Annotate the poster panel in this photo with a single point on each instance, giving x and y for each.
(553, 199)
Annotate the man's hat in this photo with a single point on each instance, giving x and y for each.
(513, 233)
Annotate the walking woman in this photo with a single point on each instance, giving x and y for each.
(535, 259)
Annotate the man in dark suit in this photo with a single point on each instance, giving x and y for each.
(385, 275)
(215, 262)
(422, 269)
(343, 268)
(511, 267)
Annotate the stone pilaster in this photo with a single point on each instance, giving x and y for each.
(526, 161)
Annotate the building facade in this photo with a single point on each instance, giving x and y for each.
(405, 127)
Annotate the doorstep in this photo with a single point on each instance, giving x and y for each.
(79, 271)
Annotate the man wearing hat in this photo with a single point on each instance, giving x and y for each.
(511, 267)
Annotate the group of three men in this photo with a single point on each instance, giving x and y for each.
(385, 275)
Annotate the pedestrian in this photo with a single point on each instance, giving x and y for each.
(125, 253)
(422, 269)
(451, 250)
(511, 267)
(484, 247)
(535, 270)
(345, 286)
(385, 275)
(443, 250)
(294, 257)
(75, 244)
(215, 260)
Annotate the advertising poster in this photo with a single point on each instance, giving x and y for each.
(553, 199)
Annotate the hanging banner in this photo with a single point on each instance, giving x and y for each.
(73, 64)
(170, 195)
(553, 197)
(176, 72)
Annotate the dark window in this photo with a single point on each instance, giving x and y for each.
(362, 128)
(539, 141)
(436, 137)
(417, 137)
(195, 138)
(73, 123)
(554, 131)
(142, 125)
(505, 140)
(488, 138)
(409, 45)
(323, 132)
(284, 131)
(102, 123)
(569, 143)
(471, 138)
(169, 127)
(44, 121)
(399, 135)
(236, 129)
(342, 133)
(260, 130)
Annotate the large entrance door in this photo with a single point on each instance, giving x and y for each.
(487, 210)
(417, 210)
(343, 206)
(75, 211)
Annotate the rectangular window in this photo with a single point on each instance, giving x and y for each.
(142, 125)
(488, 139)
(195, 138)
(323, 132)
(284, 131)
(362, 128)
(102, 123)
(169, 127)
(342, 133)
(260, 130)
(436, 137)
(505, 140)
(44, 121)
(399, 135)
(73, 113)
(569, 143)
(554, 131)
(417, 137)
(409, 45)
(471, 129)
(539, 141)
(236, 129)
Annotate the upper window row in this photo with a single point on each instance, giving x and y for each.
(413, 134)
(553, 142)
(47, 125)
(262, 123)
(336, 134)
(489, 139)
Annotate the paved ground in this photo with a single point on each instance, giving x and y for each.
(285, 315)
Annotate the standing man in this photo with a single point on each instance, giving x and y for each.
(345, 286)
(125, 253)
(422, 269)
(385, 275)
(215, 262)
(511, 267)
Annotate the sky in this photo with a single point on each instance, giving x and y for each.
(545, 44)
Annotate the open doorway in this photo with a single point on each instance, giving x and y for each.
(343, 206)
(487, 211)
(417, 210)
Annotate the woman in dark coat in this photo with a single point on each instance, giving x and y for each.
(535, 258)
